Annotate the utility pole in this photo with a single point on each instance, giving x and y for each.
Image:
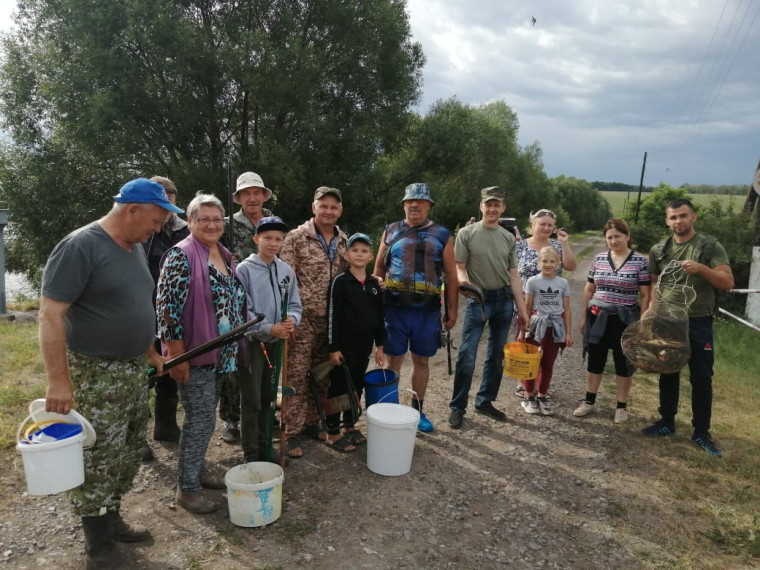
(641, 186)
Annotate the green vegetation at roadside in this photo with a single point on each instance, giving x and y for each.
(618, 200)
(719, 497)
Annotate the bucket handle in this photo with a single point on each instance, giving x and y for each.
(28, 432)
(395, 392)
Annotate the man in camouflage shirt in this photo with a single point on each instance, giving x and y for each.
(97, 325)
(251, 194)
(316, 252)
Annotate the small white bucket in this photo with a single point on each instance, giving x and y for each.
(54, 466)
(391, 431)
(254, 493)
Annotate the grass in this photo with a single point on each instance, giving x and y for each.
(617, 200)
(719, 497)
(21, 376)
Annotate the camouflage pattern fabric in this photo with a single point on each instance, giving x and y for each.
(305, 254)
(309, 347)
(243, 230)
(113, 395)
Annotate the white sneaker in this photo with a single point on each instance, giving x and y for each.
(530, 406)
(621, 416)
(545, 407)
(584, 409)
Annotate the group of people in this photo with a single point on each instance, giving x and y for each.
(106, 299)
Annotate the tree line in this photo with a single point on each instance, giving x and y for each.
(306, 93)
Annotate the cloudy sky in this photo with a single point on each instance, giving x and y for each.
(599, 82)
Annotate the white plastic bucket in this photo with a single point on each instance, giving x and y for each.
(254, 493)
(391, 431)
(55, 466)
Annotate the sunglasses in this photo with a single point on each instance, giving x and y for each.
(542, 213)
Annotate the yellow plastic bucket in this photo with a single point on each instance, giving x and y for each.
(522, 360)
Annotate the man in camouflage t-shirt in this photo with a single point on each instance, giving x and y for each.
(704, 266)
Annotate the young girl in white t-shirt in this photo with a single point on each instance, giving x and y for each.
(547, 298)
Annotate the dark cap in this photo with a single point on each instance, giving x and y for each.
(491, 193)
(323, 191)
(359, 237)
(144, 191)
(271, 224)
(417, 191)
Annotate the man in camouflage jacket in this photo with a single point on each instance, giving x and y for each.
(316, 252)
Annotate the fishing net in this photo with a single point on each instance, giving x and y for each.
(659, 342)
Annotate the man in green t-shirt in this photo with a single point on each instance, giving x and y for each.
(485, 256)
(704, 262)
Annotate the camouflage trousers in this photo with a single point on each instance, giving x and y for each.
(308, 350)
(113, 395)
(229, 399)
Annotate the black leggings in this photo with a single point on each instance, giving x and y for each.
(597, 353)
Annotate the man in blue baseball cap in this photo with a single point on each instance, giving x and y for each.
(97, 325)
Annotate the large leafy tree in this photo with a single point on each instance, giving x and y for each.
(459, 149)
(305, 92)
(585, 207)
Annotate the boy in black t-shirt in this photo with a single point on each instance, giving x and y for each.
(356, 321)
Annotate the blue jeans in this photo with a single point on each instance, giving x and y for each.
(499, 309)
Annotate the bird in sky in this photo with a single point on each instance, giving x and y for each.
(532, 21)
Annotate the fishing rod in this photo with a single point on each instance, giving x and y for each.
(226, 338)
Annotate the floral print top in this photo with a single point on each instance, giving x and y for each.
(226, 291)
(527, 260)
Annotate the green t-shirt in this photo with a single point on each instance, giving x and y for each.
(488, 253)
(713, 256)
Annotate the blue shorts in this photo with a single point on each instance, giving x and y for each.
(418, 330)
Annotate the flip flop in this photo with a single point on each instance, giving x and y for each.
(292, 443)
(315, 433)
(355, 436)
(342, 445)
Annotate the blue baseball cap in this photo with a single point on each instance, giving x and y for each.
(359, 237)
(144, 191)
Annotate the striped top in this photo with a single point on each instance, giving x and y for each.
(619, 286)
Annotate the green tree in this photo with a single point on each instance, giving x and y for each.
(459, 149)
(650, 227)
(305, 93)
(585, 207)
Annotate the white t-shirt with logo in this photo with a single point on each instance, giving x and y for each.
(547, 294)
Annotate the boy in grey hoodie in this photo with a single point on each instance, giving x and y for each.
(265, 279)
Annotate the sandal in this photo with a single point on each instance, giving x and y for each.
(292, 443)
(342, 445)
(355, 436)
(315, 433)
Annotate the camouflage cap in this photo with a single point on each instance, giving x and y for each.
(417, 191)
(327, 191)
(491, 193)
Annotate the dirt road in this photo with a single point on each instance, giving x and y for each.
(534, 492)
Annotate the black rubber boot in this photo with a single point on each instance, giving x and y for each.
(165, 427)
(146, 453)
(99, 546)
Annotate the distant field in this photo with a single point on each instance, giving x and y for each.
(617, 199)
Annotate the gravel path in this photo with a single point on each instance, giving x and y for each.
(534, 492)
